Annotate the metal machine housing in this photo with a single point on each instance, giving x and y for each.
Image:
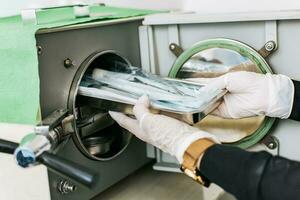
(61, 52)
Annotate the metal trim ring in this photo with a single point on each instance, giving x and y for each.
(244, 50)
(72, 98)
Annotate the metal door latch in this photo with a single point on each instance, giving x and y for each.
(271, 142)
(47, 135)
(267, 49)
(176, 49)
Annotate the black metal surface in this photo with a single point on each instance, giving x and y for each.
(55, 118)
(75, 171)
(72, 170)
(78, 45)
(7, 146)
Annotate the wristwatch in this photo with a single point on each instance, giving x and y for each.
(190, 160)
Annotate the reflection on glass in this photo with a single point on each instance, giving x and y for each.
(215, 62)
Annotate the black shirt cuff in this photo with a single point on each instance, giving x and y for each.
(295, 114)
(236, 171)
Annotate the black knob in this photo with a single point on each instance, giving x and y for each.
(7, 146)
(77, 172)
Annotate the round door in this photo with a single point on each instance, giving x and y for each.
(213, 58)
(96, 135)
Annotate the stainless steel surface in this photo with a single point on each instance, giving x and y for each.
(43, 130)
(78, 43)
(95, 122)
(54, 136)
(65, 187)
(104, 59)
(270, 46)
(98, 145)
(47, 135)
(53, 119)
(31, 147)
(190, 118)
(214, 62)
(67, 126)
(57, 126)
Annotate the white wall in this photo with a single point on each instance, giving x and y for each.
(219, 6)
(13, 7)
(149, 4)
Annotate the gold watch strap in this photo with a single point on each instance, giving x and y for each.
(191, 157)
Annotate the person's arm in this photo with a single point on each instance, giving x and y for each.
(251, 94)
(251, 175)
(295, 114)
(254, 175)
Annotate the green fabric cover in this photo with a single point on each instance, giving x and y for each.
(19, 80)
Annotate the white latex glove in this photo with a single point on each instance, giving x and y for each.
(168, 134)
(250, 94)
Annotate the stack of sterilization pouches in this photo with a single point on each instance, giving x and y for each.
(126, 86)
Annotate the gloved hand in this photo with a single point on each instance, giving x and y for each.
(250, 94)
(168, 134)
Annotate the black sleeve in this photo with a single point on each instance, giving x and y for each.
(295, 115)
(251, 175)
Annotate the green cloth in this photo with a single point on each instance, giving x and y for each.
(19, 80)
